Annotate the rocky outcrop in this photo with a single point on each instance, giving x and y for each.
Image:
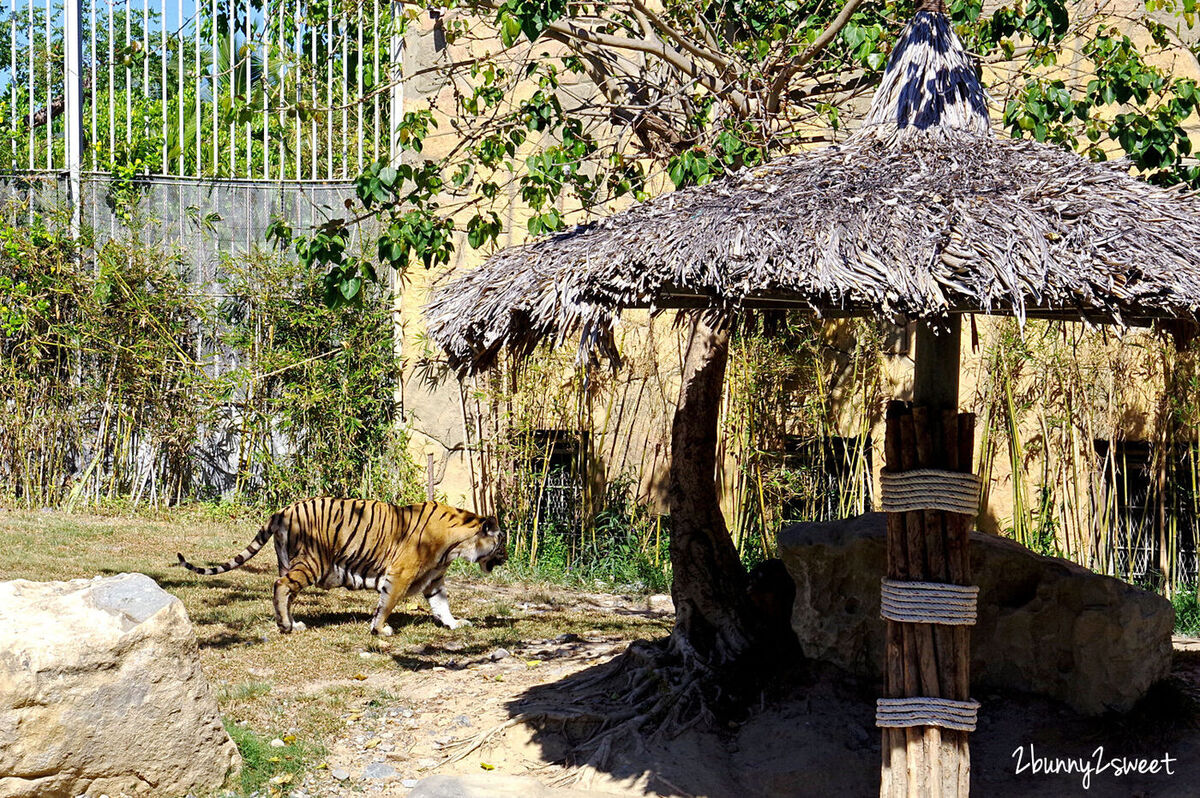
(1046, 626)
(101, 692)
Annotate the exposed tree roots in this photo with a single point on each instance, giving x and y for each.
(651, 692)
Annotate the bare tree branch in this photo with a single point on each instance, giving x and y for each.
(564, 30)
(779, 85)
(711, 56)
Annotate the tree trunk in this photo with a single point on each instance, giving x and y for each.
(713, 624)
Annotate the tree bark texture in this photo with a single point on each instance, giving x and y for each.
(713, 624)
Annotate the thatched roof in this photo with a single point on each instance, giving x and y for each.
(922, 211)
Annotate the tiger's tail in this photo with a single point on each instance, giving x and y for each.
(253, 548)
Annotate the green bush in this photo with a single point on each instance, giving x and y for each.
(623, 546)
(322, 378)
(117, 371)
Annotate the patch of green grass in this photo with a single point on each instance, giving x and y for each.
(277, 768)
(243, 691)
(1187, 612)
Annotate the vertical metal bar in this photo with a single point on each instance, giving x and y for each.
(375, 83)
(32, 135)
(12, 67)
(328, 95)
(196, 79)
(49, 91)
(269, 27)
(312, 93)
(298, 46)
(128, 73)
(395, 112)
(145, 48)
(249, 90)
(345, 140)
(232, 66)
(179, 95)
(74, 109)
(112, 84)
(358, 98)
(216, 152)
(396, 81)
(94, 56)
(163, 167)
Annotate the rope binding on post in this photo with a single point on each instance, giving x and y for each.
(901, 713)
(928, 602)
(929, 489)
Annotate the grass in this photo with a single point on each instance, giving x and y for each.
(1187, 612)
(265, 765)
(303, 685)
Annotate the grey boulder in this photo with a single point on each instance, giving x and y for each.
(101, 692)
(1045, 625)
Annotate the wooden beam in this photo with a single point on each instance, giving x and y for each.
(935, 375)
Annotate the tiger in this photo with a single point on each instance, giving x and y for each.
(359, 543)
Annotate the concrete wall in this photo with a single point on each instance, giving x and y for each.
(173, 210)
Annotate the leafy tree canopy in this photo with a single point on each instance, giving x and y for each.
(583, 105)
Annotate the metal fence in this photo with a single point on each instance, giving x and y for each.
(199, 88)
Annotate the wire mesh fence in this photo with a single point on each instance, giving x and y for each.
(201, 88)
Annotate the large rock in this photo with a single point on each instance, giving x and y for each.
(1045, 626)
(101, 692)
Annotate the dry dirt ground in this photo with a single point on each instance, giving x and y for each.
(814, 737)
(371, 716)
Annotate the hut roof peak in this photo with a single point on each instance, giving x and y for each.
(931, 85)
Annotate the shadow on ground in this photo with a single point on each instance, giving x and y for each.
(813, 734)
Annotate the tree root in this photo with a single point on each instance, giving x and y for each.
(651, 692)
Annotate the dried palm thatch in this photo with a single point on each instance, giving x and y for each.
(922, 212)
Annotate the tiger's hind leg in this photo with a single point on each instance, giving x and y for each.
(300, 575)
(435, 593)
(388, 596)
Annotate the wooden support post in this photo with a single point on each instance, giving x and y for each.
(935, 372)
(928, 545)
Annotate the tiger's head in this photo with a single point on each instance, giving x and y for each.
(488, 546)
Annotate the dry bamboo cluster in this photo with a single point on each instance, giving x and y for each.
(926, 659)
(921, 212)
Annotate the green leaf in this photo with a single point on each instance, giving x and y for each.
(350, 288)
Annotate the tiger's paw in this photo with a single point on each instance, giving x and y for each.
(298, 626)
(457, 623)
(386, 631)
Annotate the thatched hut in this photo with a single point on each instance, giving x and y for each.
(923, 213)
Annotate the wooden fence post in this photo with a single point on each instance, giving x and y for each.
(928, 545)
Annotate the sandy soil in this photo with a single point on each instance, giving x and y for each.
(813, 737)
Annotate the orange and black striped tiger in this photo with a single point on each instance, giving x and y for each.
(356, 543)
